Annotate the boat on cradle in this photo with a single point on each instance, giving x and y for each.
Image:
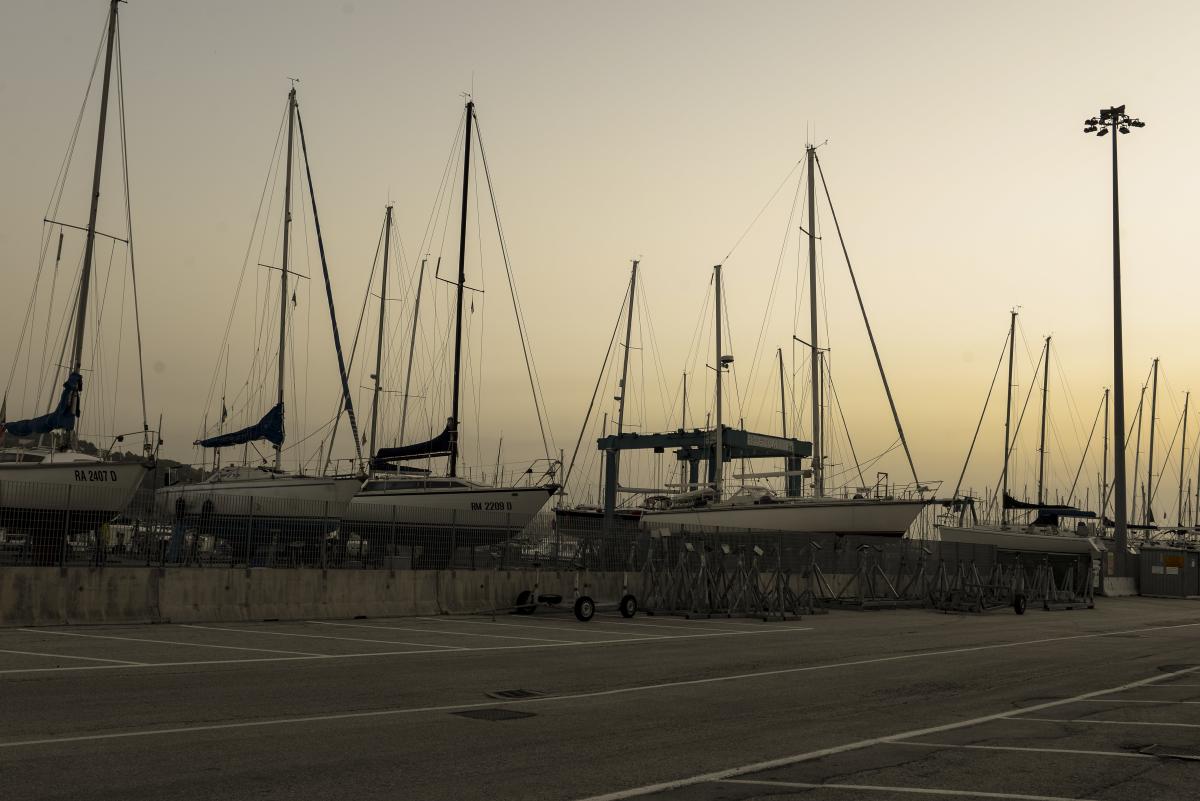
(261, 491)
(238, 503)
(879, 511)
(404, 506)
(760, 508)
(1044, 535)
(49, 486)
(1032, 538)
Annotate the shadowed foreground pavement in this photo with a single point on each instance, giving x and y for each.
(364, 709)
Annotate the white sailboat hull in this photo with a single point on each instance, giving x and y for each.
(888, 518)
(296, 497)
(1022, 538)
(91, 486)
(507, 507)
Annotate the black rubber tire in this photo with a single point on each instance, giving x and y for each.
(523, 605)
(1019, 603)
(585, 608)
(628, 606)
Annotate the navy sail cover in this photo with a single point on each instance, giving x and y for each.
(438, 446)
(62, 418)
(270, 428)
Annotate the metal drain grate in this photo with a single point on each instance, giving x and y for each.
(494, 714)
(511, 695)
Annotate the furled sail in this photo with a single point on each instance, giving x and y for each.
(270, 428)
(1048, 514)
(62, 418)
(438, 446)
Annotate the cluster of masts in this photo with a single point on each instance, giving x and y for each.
(818, 512)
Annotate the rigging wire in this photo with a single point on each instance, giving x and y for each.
(770, 200)
(337, 339)
(870, 334)
(1083, 458)
(534, 382)
(591, 404)
(268, 183)
(53, 206)
(137, 317)
(982, 413)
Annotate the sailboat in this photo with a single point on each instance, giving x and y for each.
(752, 507)
(236, 493)
(585, 519)
(49, 483)
(417, 499)
(1043, 534)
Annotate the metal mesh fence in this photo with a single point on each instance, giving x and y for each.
(44, 524)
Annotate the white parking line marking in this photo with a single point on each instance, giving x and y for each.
(687, 621)
(1110, 722)
(321, 636)
(164, 642)
(65, 656)
(438, 650)
(755, 767)
(444, 633)
(1084, 752)
(684, 624)
(1139, 701)
(448, 619)
(871, 788)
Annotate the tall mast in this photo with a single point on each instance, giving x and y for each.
(683, 464)
(787, 462)
(412, 344)
(283, 276)
(719, 445)
(1182, 455)
(600, 489)
(1196, 508)
(1148, 510)
(1042, 437)
(1104, 466)
(683, 409)
(625, 361)
(818, 467)
(387, 241)
(90, 246)
(458, 301)
(1012, 336)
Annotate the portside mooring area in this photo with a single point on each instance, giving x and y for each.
(1101, 704)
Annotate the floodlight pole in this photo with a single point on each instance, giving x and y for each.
(1113, 121)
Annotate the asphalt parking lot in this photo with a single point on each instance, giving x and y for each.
(1088, 704)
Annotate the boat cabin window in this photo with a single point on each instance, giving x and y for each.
(402, 484)
(21, 457)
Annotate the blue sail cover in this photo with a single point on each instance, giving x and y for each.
(63, 417)
(269, 428)
(438, 446)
